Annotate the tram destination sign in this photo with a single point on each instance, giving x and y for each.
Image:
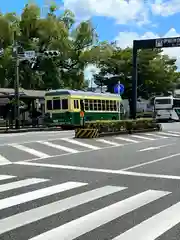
(157, 43)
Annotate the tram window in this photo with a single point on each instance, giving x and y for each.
(99, 105)
(111, 105)
(76, 104)
(49, 104)
(115, 105)
(103, 105)
(107, 105)
(86, 104)
(95, 105)
(56, 104)
(91, 105)
(64, 104)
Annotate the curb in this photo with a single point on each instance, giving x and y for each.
(30, 130)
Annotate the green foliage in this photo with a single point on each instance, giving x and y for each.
(157, 73)
(75, 43)
(79, 46)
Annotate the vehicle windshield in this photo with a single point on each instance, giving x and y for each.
(163, 101)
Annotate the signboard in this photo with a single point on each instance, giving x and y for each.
(81, 114)
(119, 89)
(167, 42)
(29, 54)
(157, 43)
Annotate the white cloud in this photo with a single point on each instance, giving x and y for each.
(125, 39)
(165, 8)
(121, 10)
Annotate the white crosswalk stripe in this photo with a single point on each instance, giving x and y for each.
(86, 195)
(63, 146)
(169, 134)
(30, 150)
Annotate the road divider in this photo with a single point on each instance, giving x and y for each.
(95, 129)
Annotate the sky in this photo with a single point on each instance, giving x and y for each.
(120, 20)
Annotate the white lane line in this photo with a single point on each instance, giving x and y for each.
(21, 183)
(110, 171)
(174, 132)
(36, 214)
(89, 222)
(40, 193)
(142, 137)
(30, 151)
(80, 143)
(169, 134)
(4, 177)
(155, 226)
(127, 139)
(150, 162)
(66, 149)
(149, 175)
(155, 147)
(4, 161)
(109, 142)
(155, 135)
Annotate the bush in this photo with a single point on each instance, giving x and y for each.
(122, 125)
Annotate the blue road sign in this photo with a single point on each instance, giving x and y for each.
(119, 89)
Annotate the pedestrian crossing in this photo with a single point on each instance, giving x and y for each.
(75, 208)
(35, 150)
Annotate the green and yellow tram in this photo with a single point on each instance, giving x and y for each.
(63, 107)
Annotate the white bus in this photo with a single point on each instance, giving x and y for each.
(167, 108)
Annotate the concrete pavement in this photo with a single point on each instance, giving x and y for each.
(115, 189)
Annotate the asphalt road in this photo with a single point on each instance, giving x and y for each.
(118, 188)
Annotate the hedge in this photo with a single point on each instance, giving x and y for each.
(123, 125)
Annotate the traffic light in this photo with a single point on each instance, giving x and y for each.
(51, 53)
(82, 105)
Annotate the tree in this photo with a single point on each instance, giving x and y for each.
(156, 72)
(78, 46)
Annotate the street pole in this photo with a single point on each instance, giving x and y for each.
(16, 82)
(119, 93)
(17, 113)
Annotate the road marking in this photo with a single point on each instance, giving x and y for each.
(4, 161)
(89, 222)
(127, 139)
(154, 148)
(142, 137)
(30, 151)
(32, 141)
(21, 183)
(149, 175)
(40, 193)
(109, 142)
(4, 177)
(154, 135)
(80, 143)
(169, 134)
(66, 167)
(38, 213)
(155, 226)
(110, 171)
(66, 149)
(173, 132)
(152, 161)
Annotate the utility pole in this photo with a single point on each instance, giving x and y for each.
(16, 82)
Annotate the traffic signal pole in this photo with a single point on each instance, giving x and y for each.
(16, 82)
(16, 88)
